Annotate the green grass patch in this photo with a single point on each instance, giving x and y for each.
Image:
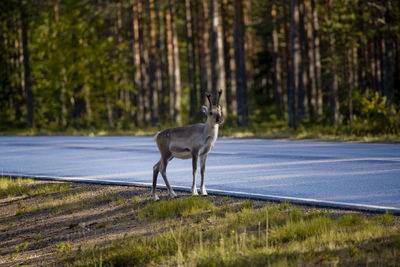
(63, 249)
(178, 207)
(50, 188)
(25, 186)
(14, 187)
(129, 252)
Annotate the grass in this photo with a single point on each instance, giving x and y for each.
(199, 234)
(189, 231)
(14, 187)
(25, 186)
(176, 208)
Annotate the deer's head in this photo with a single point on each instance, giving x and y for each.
(214, 112)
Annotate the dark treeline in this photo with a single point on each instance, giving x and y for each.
(123, 64)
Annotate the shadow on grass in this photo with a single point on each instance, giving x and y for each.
(66, 221)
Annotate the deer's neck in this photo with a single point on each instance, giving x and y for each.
(211, 129)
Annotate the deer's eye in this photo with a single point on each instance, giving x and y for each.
(210, 113)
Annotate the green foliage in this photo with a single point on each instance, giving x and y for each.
(75, 59)
(373, 114)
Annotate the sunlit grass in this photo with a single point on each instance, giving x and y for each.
(24, 186)
(202, 234)
(14, 187)
(175, 208)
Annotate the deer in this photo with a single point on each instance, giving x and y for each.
(185, 142)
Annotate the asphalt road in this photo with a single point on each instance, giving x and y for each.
(355, 175)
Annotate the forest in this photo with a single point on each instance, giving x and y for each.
(131, 64)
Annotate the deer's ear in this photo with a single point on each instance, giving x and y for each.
(205, 109)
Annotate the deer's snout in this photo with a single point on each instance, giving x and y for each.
(219, 119)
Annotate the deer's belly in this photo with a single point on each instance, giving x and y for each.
(181, 153)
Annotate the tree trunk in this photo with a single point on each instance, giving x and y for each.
(137, 99)
(220, 47)
(301, 61)
(163, 66)
(388, 73)
(227, 40)
(396, 74)
(170, 60)
(123, 96)
(203, 50)
(217, 62)
(144, 60)
(333, 83)
(109, 109)
(249, 45)
(176, 67)
(311, 84)
(294, 16)
(62, 118)
(347, 83)
(276, 62)
(213, 44)
(241, 87)
(88, 107)
(316, 59)
(193, 111)
(107, 100)
(27, 69)
(153, 97)
(377, 64)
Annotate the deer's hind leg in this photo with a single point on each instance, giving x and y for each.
(163, 169)
(156, 169)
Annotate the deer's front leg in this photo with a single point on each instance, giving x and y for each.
(194, 166)
(202, 170)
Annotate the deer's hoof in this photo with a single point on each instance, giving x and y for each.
(155, 197)
(194, 192)
(203, 191)
(172, 194)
